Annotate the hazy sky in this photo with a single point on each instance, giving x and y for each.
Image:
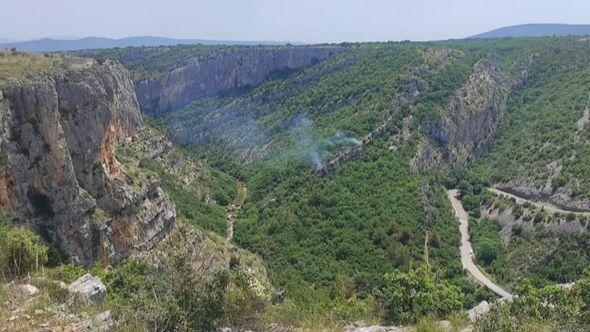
(298, 20)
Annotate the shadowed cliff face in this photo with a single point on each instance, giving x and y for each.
(225, 71)
(59, 172)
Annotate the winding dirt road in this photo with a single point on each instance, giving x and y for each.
(467, 250)
(541, 205)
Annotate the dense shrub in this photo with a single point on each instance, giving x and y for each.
(407, 297)
(67, 273)
(550, 308)
(20, 250)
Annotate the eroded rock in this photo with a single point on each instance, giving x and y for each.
(88, 290)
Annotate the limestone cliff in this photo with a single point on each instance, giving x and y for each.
(59, 174)
(224, 71)
(467, 124)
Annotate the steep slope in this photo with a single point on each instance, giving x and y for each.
(59, 171)
(468, 123)
(199, 192)
(81, 169)
(169, 78)
(346, 159)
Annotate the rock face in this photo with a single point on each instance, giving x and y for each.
(468, 123)
(88, 290)
(58, 170)
(225, 71)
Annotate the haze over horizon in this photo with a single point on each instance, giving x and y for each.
(301, 21)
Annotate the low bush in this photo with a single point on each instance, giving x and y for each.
(67, 273)
(175, 298)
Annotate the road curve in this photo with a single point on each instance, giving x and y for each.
(466, 249)
(541, 205)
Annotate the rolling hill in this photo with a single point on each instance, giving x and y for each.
(536, 30)
(55, 45)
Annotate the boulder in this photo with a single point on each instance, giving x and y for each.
(28, 290)
(479, 310)
(88, 290)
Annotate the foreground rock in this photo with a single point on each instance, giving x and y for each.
(88, 290)
(59, 131)
(28, 290)
(35, 311)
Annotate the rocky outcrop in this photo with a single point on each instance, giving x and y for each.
(467, 124)
(225, 71)
(59, 173)
(478, 311)
(88, 290)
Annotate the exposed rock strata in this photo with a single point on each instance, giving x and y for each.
(59, 173)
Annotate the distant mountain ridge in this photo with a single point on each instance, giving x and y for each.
(54, 45)
(536, 30)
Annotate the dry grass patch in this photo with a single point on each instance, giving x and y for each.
(16, 65)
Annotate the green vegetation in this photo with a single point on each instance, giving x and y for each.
(191, 304)
(199, 192)
(541, 144)
(408, 297)
(486, 240)
(20, 250)
(191, 202)
(543, 256)
(174, 296)
(550, 308)
(362, 220)
(540, 125)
